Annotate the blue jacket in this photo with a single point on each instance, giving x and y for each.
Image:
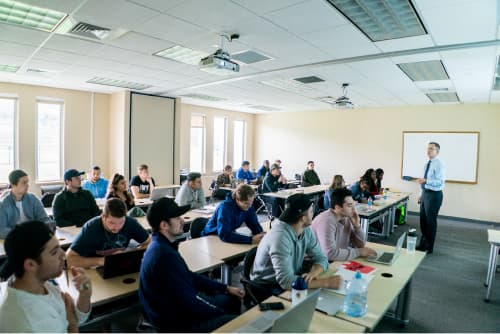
(168, 290)
(98, 189)
(227, 218)
(242, 175)
(262, 171)
(9, 213)
(359, 195)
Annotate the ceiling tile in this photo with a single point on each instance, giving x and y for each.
(72, 44)
(264, 6)
(415, 42)
(171, 29)
(57, 56)
(13, 49)
(141, 43)
(162, 5)
(10, 33)
(65, 6)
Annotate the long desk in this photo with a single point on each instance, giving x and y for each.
(383, 291)
(284, 194)
(321, 323)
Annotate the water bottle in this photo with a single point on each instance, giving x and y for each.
(299, 290)
(385, 194)
(411, 241)
(355, 297)
(233, 183)
(370, 202)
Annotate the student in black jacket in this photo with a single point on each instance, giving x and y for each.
(272, 182)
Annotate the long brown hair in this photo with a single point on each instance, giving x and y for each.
(113, 188)
(337, 182)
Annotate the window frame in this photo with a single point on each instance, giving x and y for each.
(224, 148)
(204, 142)
(15, 135)
(243, 141)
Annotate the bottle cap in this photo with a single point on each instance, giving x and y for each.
(358, 275)
(299, 283)
(412, 233)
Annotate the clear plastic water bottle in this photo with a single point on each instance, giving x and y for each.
(370, 203)
(299, 290)
(411, 241)
(355, 297)
(385, 194)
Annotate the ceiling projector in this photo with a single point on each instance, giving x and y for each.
(219, 60)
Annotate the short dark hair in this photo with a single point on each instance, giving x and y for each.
(338, 196)
(364, 180)
(245, 163)
(96, 168)
(228, 167)
(114, 207)
(16, 175)
(142, 167)
(243, 192)
(435, 144)
(193, 176)
(310, 162)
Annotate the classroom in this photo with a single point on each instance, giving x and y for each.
(163, 95)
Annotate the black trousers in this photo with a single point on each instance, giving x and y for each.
(429, 209)
(229, 303)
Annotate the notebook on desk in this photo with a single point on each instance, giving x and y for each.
(389, 257)
(122, 263)
(296, 319)
(159, 192)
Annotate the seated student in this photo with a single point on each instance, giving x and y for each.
(118, 189)
(95, 183)
(371, 177)
(244, 173)
(339, 231)
(104, 235)
(272, 182)
(337, 183)
(263, 170)
(18, 205)
(281, 252)
(223, 180)
(310, 177)
(230, 214)
(191, 192)
(141, 185)
(278, 163)
(360, 191)
(379, 172)
(174, 298)
(74, 205)
(31, 301)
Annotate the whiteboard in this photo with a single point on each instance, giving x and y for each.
(459, 153)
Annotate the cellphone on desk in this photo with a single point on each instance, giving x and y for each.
(271, 306)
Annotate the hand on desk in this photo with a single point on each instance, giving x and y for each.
(316, 270)
(258, 237)
(367, 252)
(238, 292)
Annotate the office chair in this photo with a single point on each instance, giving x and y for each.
(262, 206)
(197, 226)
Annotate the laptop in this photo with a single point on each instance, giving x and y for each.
(389, 257)
(296, 319)
(159, 192)
(330, 303)
(121, 264)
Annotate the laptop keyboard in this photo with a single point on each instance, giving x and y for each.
(386, 257)
(262, 323)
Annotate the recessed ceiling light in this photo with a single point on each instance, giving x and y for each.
(203, 97)
(443, 97)
(289, 86)
(182, 54)
(249, 57)
(383, 19)
(18, 13)
(425, 70)
(8, 68)
(309, 79)
(118, 83)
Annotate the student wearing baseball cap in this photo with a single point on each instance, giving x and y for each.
(74, 205)
(30, 301)
(174, 298)
(281, 252)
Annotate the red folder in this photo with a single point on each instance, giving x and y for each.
(355, 266)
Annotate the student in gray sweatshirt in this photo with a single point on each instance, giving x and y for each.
(281, 252)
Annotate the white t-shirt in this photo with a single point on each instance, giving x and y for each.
(21, 311)
(22, 216)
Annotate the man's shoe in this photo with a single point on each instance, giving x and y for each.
(421, 248)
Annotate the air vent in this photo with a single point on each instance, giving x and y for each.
(308, 80)
(382, 19)
(83, 29)
(263, 108)
(118, 83)
(203, 97)
(425, 70)
(249, 57)
(443, 97)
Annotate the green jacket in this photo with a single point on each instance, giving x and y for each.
(310, 178)
(74, 208)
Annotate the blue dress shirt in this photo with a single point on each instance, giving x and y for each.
(435, 175)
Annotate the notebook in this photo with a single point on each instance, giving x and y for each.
(159, 192)
(389, 257)
(121, 264)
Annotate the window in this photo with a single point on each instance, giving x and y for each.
(219, 143)
(7, 137)
(239, 142)
(197, 151)
(49, 141)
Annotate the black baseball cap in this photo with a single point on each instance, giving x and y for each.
(164, 209)
(70, 173)
(295, 206)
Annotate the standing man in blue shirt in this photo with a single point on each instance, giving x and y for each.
(244, 173)
(431, 197)
(96, 184)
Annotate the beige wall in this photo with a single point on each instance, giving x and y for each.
(183, 128)
(118, 133)
(350, 141)
(77, 127)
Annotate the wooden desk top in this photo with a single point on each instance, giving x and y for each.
(380, 205)
(321, 323)
(212, 245)
(494, 236)
(284, 194)
(188, 218)
(382, 291)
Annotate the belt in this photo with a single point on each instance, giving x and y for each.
(434, 191)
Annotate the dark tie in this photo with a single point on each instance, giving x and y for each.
(426, 172)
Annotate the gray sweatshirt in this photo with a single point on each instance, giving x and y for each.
(195, 198)
(281, 252)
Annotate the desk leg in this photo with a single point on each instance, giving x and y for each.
(392, 218)
(226, 274)
(491, 270)
(364, 226)
(490, 265)
(403, 304)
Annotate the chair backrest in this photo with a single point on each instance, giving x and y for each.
(197, 225)
(248, 262)
(53, 188)
(47, 199)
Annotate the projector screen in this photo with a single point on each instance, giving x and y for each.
(459, 153)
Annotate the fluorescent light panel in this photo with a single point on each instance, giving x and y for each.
(289, 86)
(8, 68)
(382, 19)
(425, 70)
(18, 13)
(203, 97)
(182, 54)
(249, 57)
(443, 97)
(118, 83)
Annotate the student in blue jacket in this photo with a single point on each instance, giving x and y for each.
(173, 297)
(230, 214)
